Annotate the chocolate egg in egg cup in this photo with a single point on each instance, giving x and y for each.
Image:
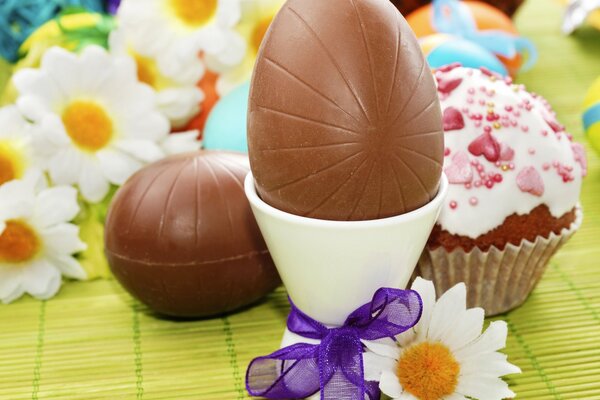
(346, 149)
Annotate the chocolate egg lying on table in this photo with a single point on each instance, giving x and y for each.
(350, 127)
(180, 237)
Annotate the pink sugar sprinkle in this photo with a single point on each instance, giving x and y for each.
(473, 201)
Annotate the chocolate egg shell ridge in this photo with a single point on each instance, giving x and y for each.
(344, 119)
(180, 236)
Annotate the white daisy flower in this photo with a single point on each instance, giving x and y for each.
(16, 156)
(37, 242)
(176, 32)
(94, 123)
(178, 96)
(257, 16)
(445, 356)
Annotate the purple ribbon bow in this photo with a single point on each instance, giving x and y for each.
(455, 18)
(335, 366)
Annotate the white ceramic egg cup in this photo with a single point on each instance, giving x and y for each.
(330, 268)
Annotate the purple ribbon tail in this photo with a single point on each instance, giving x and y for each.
(292, 372)
(335, 366)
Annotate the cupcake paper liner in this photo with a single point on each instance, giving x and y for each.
(497, 280)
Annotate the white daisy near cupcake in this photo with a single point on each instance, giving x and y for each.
(94, 123)
(445, 356)
(37, 242)
(176, 32)
(16, 155)
(177, 95)
(257, 16)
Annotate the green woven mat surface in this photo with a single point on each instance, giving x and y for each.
(94, 342)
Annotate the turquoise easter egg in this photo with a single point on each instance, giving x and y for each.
(591, 115)
(226, 125)
(442, 49)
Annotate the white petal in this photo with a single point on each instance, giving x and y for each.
(66, 166)
(427, 291)
(96, 68)
(38, 84)
(187, 71)
(493, 339)
(375, 365)
(143, 150)
(92, 183)
(62, 239)
(12, 122)
(10, 283)
(467, 327)
(447, 309)
(181, 142)
(117, 166)
(56, 205)
(493, 364)
(152, 126)
(17, 200)
(52, 131)
(390, 385)
(233, 52)
(406, 396)
(32, 107)
(484, 388)
(384, 347)
(229, 12)
(64, 68)
(455, 396)
(69, 267)
(41, 279)
(180, 104)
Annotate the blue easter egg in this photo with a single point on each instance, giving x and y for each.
(226, 125)
(452, 49)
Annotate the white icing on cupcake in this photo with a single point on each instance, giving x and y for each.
(505, 153)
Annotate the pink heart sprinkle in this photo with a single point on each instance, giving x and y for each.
(530, 181)
(487, 146)
(459, 171)
(580, 157)
(506, 152)
(448, 85)
(453, 119)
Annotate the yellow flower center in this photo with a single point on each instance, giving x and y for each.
(145, 70)
(12, 163)
(260, 30)
(88, 125)
(7, 170)
(18, 242)
(194, 13)
(428, 371)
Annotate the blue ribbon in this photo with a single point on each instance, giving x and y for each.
(591, 116)
(335, 366)
(455, 18)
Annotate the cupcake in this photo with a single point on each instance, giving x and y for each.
(515, 177)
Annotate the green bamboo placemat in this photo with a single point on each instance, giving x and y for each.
(94, 342)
